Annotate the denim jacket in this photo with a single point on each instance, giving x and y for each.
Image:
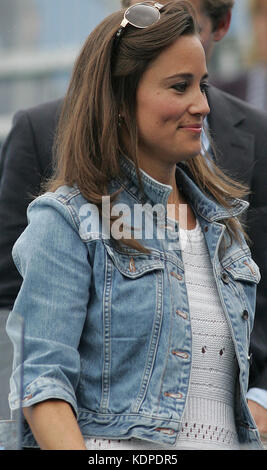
(102, 324)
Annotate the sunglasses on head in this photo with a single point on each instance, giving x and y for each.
(140, 15)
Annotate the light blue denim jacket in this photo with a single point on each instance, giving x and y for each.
(103, 323)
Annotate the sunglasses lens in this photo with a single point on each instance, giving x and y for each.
(142, 16)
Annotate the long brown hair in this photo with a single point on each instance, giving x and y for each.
(103, 85)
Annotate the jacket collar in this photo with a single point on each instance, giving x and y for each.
(155, 192)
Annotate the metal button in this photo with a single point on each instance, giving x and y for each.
(28, 397)
(245, 315)
(225, 278)
(177, 276)
(206, 228)
(183, 355)
(132, 266)
(182, 314)
(168, 431)
(177, 396)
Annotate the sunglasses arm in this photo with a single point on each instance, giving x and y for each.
(154, 4)
(124, 23)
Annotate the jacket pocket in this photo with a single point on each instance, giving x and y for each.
(243, 276)
(133, 264)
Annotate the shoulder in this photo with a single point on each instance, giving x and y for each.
(235, 87)
(33, 132)
(223, 99)
(53, 230)
(30, 140)
(36, 120)
(65, 199)
(224, 104)
(39, 122)
(46, 112)
(65, 204)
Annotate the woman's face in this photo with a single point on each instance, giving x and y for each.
(171, 105)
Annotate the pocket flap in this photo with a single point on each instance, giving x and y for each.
(244, 269)
(134, 264)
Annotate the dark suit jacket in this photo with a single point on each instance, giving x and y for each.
(26, 160)
(240, 133)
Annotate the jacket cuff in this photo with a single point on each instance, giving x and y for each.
(41, 389)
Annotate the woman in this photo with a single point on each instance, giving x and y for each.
(124, 347)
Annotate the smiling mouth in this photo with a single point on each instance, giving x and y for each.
(192, 127)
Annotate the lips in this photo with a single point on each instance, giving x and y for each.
(192, 126)
(197, 128)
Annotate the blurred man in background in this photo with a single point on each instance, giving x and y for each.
(240, 135)
(251, 84)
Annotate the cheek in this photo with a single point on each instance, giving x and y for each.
(159, 110)
(171, 112)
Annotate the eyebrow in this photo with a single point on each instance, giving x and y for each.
(185, 76)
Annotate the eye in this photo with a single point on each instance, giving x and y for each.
(204, 87)
(180, 87)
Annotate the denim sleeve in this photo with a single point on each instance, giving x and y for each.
(52, 302)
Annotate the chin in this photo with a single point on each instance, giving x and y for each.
(188, 156)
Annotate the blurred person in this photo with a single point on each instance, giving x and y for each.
(251, 84)
(242, 152)
(118, 341)
(241, 140)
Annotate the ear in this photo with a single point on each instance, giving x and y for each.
(222, 27)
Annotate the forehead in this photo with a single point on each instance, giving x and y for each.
(185, 56)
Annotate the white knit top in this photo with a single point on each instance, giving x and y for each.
(208, 420)
(209, 417)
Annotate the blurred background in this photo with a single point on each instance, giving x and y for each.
(40, 39)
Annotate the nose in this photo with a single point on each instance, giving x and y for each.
(200, 104)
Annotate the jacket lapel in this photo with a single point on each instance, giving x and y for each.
(234, 145)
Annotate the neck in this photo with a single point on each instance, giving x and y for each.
(162, 175)
(175, 196)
